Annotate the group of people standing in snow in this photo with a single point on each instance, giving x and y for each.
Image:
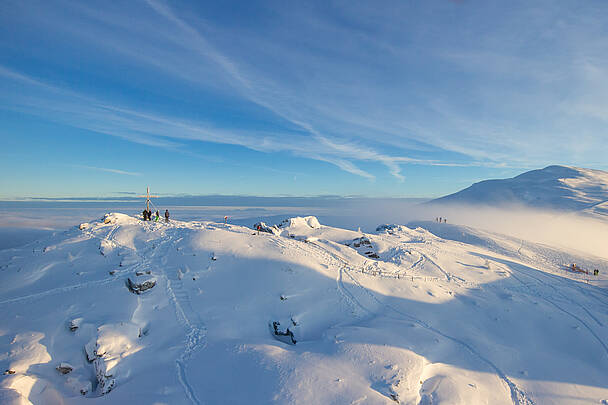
(147, 214)
(441, 220)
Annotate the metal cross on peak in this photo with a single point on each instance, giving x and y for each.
(147, 197)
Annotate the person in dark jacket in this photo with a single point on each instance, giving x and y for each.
(166, 215)
(145, 214)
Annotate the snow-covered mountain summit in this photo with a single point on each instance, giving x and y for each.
(125, 311)
(556, 187)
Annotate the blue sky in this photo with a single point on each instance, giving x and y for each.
(404, 98)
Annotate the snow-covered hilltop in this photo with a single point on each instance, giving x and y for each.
(555, 187)
(125, 311)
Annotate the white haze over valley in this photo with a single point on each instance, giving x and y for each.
(565, 229)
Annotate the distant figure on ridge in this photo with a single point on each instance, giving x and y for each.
(166, 215)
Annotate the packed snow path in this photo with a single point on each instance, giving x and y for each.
(186, 315)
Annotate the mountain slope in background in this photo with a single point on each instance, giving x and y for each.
(555, 187)
(125, 311)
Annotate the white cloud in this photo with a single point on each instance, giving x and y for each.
(104, 169)
(503, 87)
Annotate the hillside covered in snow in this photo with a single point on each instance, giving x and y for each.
(554, 187)
(124, 311)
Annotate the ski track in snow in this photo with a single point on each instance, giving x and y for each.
(58, 290)
(353, 302)
(537, 293)
(418, 263)
(185, 314)
(518, 396)
(187, 317)
(92, 283)
(447, 275)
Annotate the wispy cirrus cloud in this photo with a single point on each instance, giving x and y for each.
(107, 170)
(351, 86)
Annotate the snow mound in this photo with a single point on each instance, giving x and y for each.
(116, 218)
(300, 222)
(300, 228)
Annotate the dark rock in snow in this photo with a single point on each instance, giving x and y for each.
(262, 227)
(75, 324)
(64, 368)
(137, 287)
(105, 381)
(358, 242)
(363, 243)
(285, 336)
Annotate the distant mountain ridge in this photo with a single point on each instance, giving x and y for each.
(556, 187)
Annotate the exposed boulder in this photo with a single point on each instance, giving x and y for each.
(74, 324)
(138, 287)
(64, 368)
(358, 242)
(387, 228)
(285, 336)
(263, 227)
(91, 350)
(105, 379)
(364, 246)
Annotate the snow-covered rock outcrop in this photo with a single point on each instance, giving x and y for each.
(113, 343)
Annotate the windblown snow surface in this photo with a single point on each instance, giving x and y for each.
(400, 315)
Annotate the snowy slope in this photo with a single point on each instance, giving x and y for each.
(402, 315)
(556, 187)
